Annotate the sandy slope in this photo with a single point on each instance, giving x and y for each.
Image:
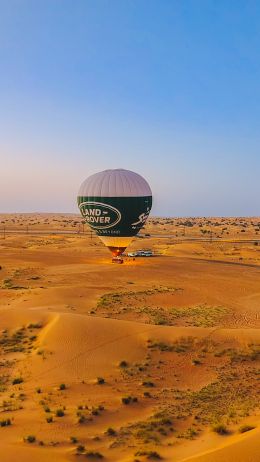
(244, 448)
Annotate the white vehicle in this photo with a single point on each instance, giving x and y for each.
(147, 253)
(141, 253)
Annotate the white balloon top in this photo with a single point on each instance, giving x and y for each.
(115, 183)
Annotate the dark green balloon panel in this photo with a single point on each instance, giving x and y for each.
(115, 216)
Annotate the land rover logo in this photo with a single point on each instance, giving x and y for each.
(100, 216)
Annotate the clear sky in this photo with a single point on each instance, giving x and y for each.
(169, 89)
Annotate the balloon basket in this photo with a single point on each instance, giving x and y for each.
(118, 260)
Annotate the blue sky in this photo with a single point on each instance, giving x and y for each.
(169, 89)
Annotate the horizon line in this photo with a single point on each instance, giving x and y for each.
(151, 216)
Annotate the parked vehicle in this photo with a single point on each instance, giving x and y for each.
(141, 253)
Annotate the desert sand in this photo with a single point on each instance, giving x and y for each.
(155, 359)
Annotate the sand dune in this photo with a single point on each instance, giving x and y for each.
(174, 338)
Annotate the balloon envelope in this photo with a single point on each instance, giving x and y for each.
(116, 205)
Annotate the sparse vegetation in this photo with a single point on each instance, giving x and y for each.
(119, 303)
(182, 345)
(149, 454)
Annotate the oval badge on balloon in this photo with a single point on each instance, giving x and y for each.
(99, 215)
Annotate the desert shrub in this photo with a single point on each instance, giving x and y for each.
(74, 439)
(60, 413)
(149, 454)
(191, 433)
(80, 448)
(123, 364)
(129, 399)
(100, 380)
(62, 386)
(17, 380)
(5, 422)
(221, 429)
(49, 419)
(246, 428)
(36, 325)
(30, 439)
(94, 455)
(148, 384)
(82, 419)
(110, 432)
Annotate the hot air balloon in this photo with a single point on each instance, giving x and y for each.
(115, 204)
